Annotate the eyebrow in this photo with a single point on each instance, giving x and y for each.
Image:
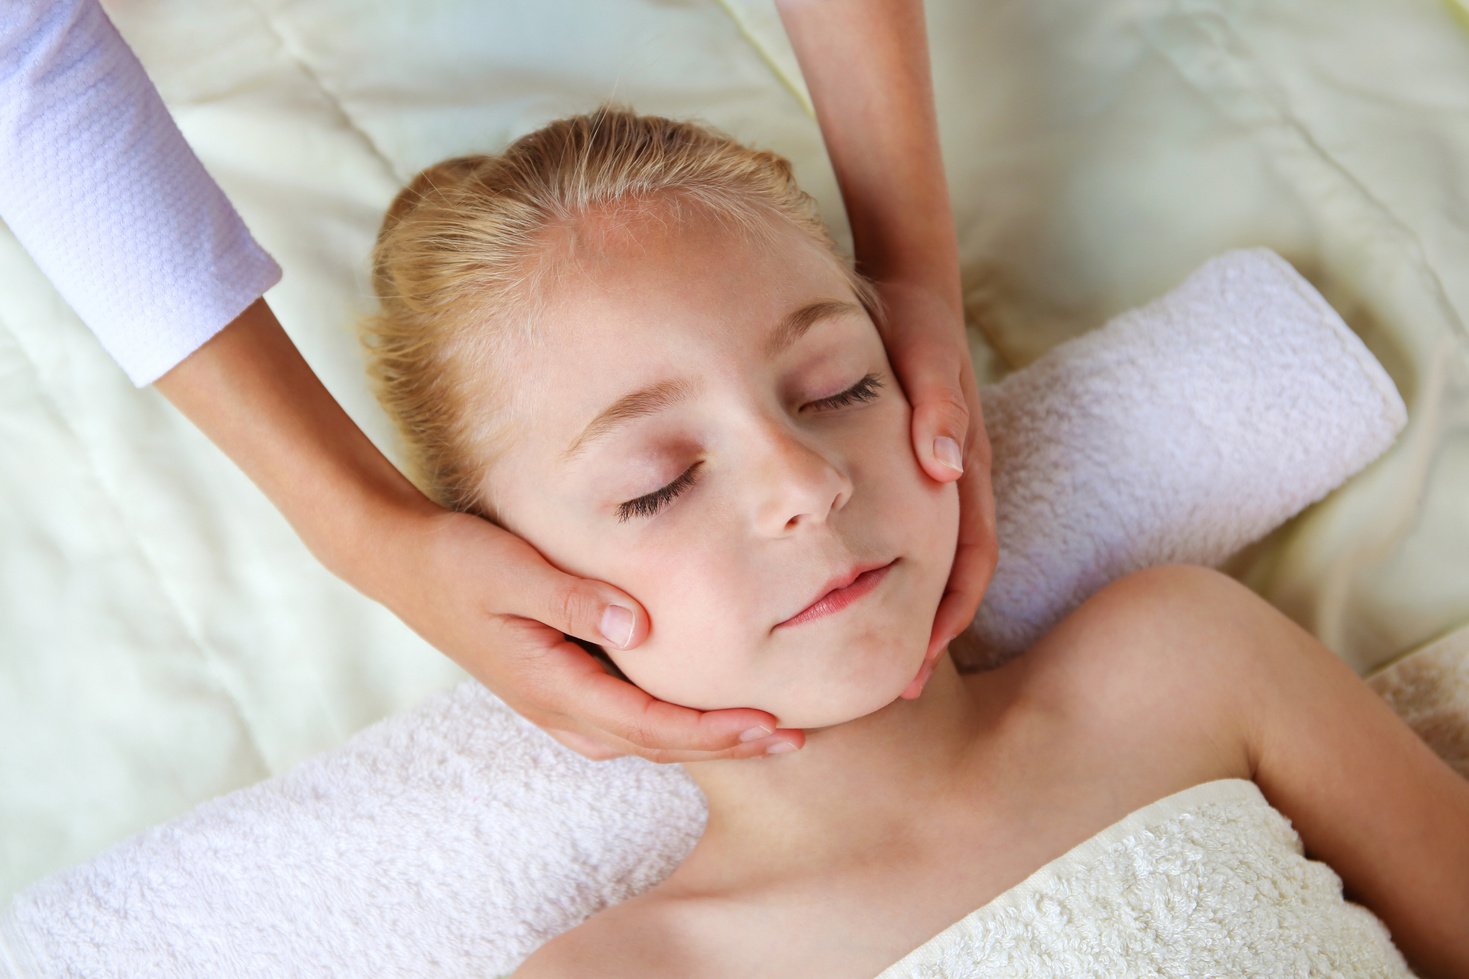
(667, 393)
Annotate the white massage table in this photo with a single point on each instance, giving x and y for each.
(164, 637)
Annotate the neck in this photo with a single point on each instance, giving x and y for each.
(855, 786)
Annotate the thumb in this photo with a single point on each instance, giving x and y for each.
(587, 609)
(940, 426)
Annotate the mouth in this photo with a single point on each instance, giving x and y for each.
(842, 591)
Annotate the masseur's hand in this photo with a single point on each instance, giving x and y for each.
(492, 603)
(477, 593)
(866, 65)
(925, 342)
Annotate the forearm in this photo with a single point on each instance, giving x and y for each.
(866, 65)
(249, 390)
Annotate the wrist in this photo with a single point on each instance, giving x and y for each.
(249, 390)
(933, 288)
(906, 239)
(374, 510)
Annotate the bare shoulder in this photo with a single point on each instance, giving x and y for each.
(1157, 658)
(1367, 796)
(1180, 648)
(642, 937)
(1179, 620)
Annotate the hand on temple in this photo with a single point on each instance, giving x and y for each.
(880, 127)
(926, 345)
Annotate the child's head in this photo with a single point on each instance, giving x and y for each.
(525, 297)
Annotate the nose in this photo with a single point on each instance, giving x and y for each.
(795, 483)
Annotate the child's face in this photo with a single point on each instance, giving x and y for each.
(778, 488)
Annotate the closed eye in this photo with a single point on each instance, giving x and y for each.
(864, 390)
(649, 505)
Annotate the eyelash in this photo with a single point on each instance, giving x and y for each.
(648, 506)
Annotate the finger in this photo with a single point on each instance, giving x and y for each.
(915, 688)
(610, 708)
(975, 556)
(583, 607)
(559, 665)
(585, 746)
(939, 428)
(973, 569)
(603, 745)
(606, 746)
(941, 420)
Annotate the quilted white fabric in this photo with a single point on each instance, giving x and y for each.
(165, 638)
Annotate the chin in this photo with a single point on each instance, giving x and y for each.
(814, 718)
(827, 709)
(849, 687)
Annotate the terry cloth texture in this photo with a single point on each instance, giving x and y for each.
(1180, 431)
(1210, 881)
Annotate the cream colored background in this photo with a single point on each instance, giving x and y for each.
(163, 635)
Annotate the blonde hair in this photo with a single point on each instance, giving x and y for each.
(462, 257)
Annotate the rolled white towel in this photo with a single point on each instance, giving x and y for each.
(456, 838)
(1179, 432)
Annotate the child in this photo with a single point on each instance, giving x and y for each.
(631, 342)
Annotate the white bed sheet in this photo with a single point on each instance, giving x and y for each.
(163, 635)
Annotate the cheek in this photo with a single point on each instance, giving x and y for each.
(696, 653)
(926, 513)
(705, 673)
(947, 525)
(925, 506)
(939, 512)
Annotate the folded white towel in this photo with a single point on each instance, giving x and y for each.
(455, 839)
(449, 841)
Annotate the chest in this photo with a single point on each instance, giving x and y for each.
(861, 917)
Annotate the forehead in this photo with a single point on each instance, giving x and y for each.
(675, 273)
(627, 298)
(624, 300)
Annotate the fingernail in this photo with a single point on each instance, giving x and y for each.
(947, 452)
(780, 748)
(755, 732)
(921, 680)
(617, 625)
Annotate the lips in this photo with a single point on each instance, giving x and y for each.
(838, 584)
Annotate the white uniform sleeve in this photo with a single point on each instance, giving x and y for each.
(98, 185)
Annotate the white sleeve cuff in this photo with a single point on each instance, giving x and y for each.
(99, 186)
